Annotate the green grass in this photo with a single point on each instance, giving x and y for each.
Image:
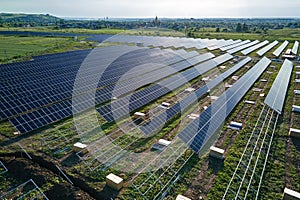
(15, 47)
(68, 30)
(280, 35)
(161, 32)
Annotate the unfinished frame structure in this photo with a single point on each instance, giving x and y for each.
(29, 189)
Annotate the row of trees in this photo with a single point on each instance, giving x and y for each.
(185, 25)
(242, 28)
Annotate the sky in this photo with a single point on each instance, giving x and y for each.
(151, 8)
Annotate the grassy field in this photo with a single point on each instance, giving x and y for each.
(161, 32)
(280, 35)
(69, 30)
(16, 48)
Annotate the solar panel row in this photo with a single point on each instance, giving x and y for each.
(28, 122)
(280, 49)
(267, 48)
(60, 67)
(166, 41)
(126, 86)
(39, 118)
(222, 44)
(295, 48)
(253, 48)
(37, 92)
(158, 121)
(44, 87)
(234, 45)
(277, 93)
(200, 130)
(17, 72)
(239, 48)
(122, 107)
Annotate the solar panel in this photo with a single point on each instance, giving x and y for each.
(219, 44)
(239, 48)
(277, 93)
(165, 41)
(55, 83)
(234, 45)
(41, 83)
(124, 87)
(28, 122)
(253, 48)
(267, 48)
(295, 48)
(200, 130)
(44, 116)
(158, 121)
(121, 107)
(280, 49)
(227, 43)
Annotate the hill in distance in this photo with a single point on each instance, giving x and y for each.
(28, 18)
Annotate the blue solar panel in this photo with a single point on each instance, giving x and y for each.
(50, 80)
(121, 107)
(200, 130)
(124, 87)
(166, 41)
(60, 110)
(30, 85)
(158, 121)
(277, 93)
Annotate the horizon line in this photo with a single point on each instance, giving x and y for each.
(162, 17)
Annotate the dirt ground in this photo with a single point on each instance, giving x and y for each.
(23, 169)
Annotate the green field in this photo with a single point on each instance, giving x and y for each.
(68, 30)
(53, 144)
(271, 35)
(16, 48)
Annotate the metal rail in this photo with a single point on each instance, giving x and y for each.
(255, 153)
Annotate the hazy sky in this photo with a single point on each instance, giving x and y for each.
(150, 8)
